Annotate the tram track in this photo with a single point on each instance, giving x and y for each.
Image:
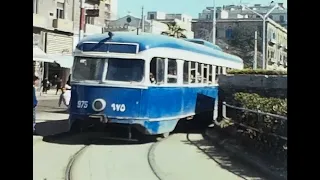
(72, 163)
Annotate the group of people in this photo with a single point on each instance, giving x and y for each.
(64, 97)
(46, 85)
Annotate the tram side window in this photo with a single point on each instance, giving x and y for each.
(210, 74)
(200, 73)
(157, 70)
(192, 75)
(185, 72)
(172, 71)
(205, 73)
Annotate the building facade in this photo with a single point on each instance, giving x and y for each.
(56, 26)
(276, 37)
(279, 15)
(182, 20)
(130, 23)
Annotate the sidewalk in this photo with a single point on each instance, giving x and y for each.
(51, 95)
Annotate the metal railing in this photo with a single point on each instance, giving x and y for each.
(259, 113)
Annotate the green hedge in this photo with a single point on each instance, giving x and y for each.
(257, 71)
(264, 142)
(256, 102)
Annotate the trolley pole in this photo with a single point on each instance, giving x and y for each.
(82, 19)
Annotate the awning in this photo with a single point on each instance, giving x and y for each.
(65, 61)
(39, 55)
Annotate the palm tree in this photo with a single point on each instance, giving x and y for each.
(174, 30)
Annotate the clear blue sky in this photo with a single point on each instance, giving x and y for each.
(190, 7)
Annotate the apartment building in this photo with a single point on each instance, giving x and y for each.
(276, 36)
(279, 15)
(56, 26)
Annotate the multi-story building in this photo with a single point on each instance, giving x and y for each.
(279, 15)
(276, 36)
(111, 10)
(182, 20)
(134, 24)
(56, 26)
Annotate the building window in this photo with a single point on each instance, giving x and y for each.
(271, 17)
(172, 71)
(60, 11)
(281, 18)
(185, 72)
(151, 16)
(89, 20)
(157, 66)
(229, 33)
(207, 16)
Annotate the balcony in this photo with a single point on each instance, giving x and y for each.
(93, 29)
(40, 21)
(63, 25)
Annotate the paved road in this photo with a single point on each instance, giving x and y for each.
(181, 156)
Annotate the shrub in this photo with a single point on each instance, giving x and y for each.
(257, 72)
(266, 130)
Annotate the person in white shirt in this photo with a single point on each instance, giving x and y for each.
(65, 96)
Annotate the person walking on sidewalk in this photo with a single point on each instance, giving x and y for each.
(35, 102)
(59, 83)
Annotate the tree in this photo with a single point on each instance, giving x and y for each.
(243, 38)
(243, 41)
(174, 30)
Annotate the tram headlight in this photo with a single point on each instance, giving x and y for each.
(98, 105)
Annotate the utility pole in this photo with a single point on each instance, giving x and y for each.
(255, 50)
(214, 23)
(82, 19)
(142, 20)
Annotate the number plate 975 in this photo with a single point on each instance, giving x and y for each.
(82, 104)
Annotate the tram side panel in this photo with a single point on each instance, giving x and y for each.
(164, 106)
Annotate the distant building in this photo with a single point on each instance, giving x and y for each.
(131, 23)
(276, 37)
(182, 20)
(279, 15)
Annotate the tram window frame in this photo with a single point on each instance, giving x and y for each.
(210, 69)
(174, 76)
(186, 72)
(200, 76)
(205, 73)
(192, 76)
(159, 70)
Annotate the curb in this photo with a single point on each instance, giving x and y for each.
(240, 154)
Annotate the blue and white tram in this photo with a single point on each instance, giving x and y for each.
(146, 81)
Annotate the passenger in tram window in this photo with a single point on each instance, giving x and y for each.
(152, 79)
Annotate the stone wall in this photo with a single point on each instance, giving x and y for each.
(264, 85)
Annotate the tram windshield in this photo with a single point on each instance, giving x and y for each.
(127, 70)
(87, 69)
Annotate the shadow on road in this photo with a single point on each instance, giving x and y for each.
(48, 128)
(225, 160)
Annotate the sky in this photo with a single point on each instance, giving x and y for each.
(189, 7)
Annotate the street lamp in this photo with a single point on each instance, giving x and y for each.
(213, 22)
(264, 18)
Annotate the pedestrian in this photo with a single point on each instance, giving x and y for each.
(45, 85)
(58, 82)
(35, 102)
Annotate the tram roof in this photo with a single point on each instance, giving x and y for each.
(205, 43)
(149, 41)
